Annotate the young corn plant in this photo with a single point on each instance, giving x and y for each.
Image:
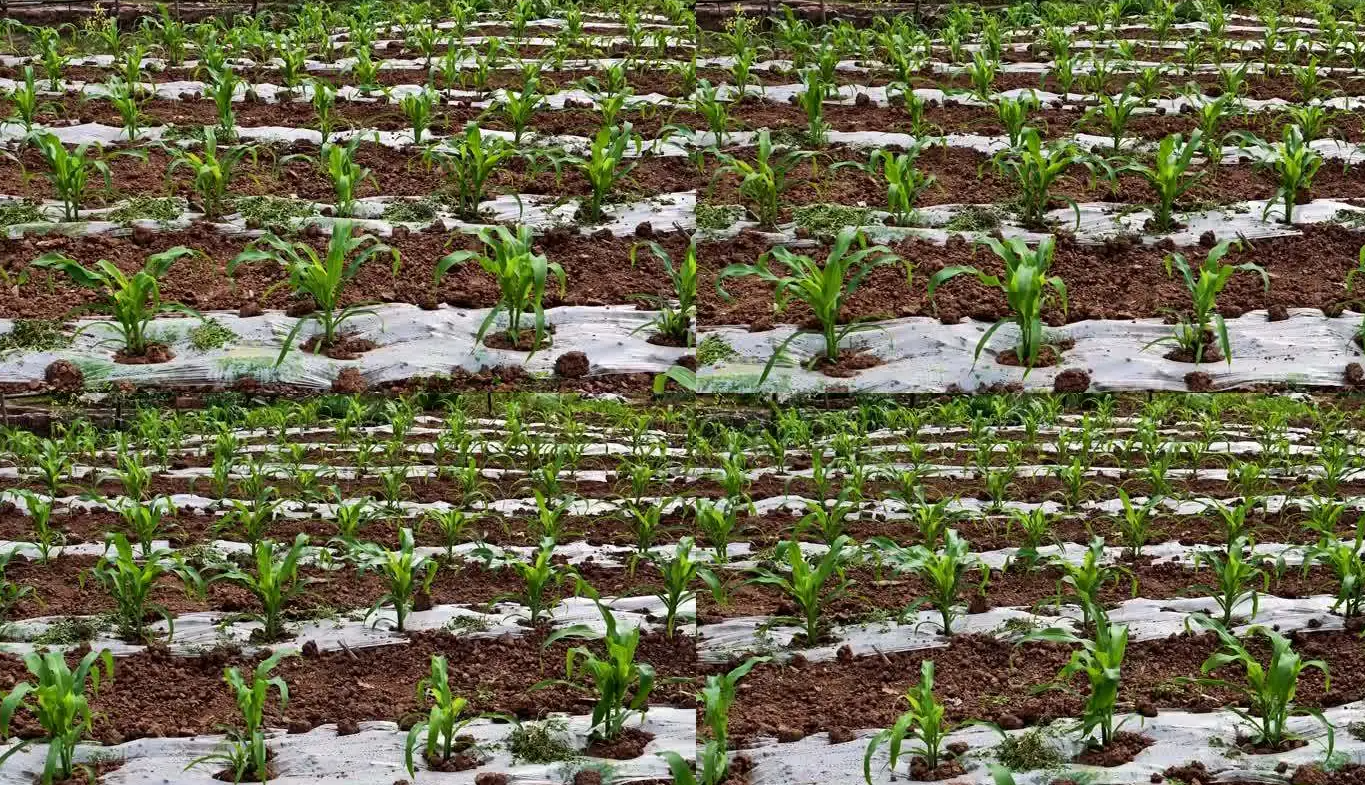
(467, 162)
(132, 300)
(1236, 578)
(604, 167)
(812, 101)
(58, 701)
(1169, 175)
(1135, 523)
(621, 684)
(418, 108)
(131, 582)
(824, 287)
(763, 181)
(905, 183)
(69, 170)
(1027, 287)
(274, 582)
(222, 87)
(674, 322)
(1035, 167)
(716, 698)
(521, 274)
(1348, 565)
(537, 576)
(943, 573)
(924, 722)
(805, 584)
(444, 721)
(405, 574)
(1199, 328)
(1269, 688)
(246, 754)
(1294, 162)
(1115, 112)
(211, 172)
(679, 574)
(1100, 660)
(321, 277)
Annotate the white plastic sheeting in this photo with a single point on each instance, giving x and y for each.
(374, 756)
(197, 632)
(919, 354)
(412, 343)
(725, 640)
(664, 213)
(1180, 737)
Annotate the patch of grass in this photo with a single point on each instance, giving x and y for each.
(270, 210)
(1357, 730)
(975, 218)
(1351, 219)
(416, 211)
(714, 349)
(718, 216)
(825, 220)
(35, 335)
(211, 334)
(172, 133)
(1028, 751)
(156, 208)
(73, 630)
(1017, 627)
(541, 742)
(467, 624)
(15, 213)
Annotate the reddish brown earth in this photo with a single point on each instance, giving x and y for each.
(978, 677)
(151, 689)
(878, 591)
(58, 590)
(395, 173)
(1308, 271)
(598, 272)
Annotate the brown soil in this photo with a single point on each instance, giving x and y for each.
(980, 677)
(396, 173)
(630, 744)
(345, 347)
(964, 175)
(151, 688)
(848, 365)
(875, 592)
(155, 354)
(525, 340)
(1121, 749)
(57, 589)
(1308, 271)
(598, 270)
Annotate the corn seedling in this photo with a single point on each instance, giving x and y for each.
(57, 699)
(521, 274)
(132, 300)
(321, 277)
(1203, 324)
(824, 287)
(1027, 288)
(621, 684)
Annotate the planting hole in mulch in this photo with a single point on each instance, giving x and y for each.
(87, 773)
(848, 364)
(919, 770)
(228, 775)
(1121, 749)
(155, 354)
(630, 744)
(1049, 354)
(525, 342)
(345, 347)
(464, 756)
